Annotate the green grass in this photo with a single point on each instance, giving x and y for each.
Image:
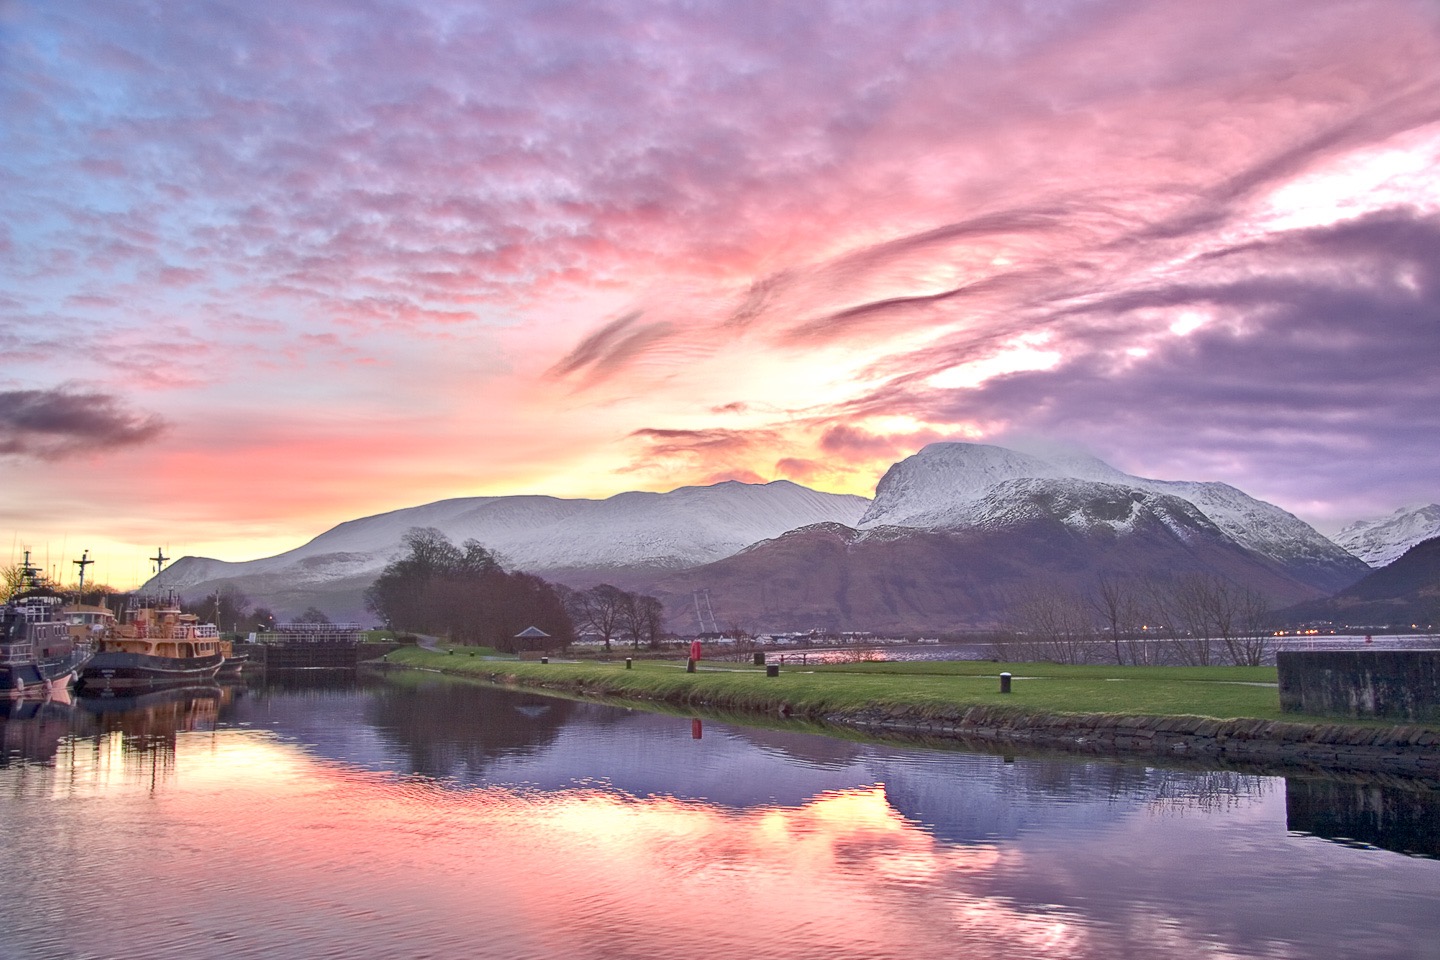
(928, 688)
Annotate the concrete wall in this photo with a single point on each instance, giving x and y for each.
(1389, 684)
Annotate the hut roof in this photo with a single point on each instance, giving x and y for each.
(532, 633)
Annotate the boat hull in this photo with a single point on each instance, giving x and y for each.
(39, 678)
(139, 671)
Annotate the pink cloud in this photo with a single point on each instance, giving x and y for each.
(684, 213)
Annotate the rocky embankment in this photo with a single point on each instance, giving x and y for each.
(1407, 751)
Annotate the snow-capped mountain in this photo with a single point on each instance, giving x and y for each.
(932, 512)
(1382, 541)
(949, 486)
(1035, 537)
(683, 528)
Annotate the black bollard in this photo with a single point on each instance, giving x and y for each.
(628, 664)
(1004, 683)
(759, 658)
(544, 659)
(772, 670)
(690, 665)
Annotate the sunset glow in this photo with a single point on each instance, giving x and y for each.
(266, 267)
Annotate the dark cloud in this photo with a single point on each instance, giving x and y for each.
(611, 347)
(1316, 371)
(63, 422)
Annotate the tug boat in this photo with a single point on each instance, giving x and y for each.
(38, 655)
(155, 645)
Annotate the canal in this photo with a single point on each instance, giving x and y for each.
(408, 816)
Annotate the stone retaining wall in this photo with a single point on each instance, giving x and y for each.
(1406, 751)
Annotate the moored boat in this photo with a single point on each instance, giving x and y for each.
(155, 645)
(234, 662)
(38, 655)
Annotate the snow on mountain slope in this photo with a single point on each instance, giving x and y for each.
(943, 484)
(949, 485)
(1383, 541)
(685, 527)
(1087, 505)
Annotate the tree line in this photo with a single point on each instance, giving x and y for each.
(1192, 620)
(465, 593)
(611, 614)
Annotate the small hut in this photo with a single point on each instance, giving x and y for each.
(532, 638)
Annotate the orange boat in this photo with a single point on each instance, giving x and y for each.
(155, 645)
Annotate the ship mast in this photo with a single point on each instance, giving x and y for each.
(159, 561)
(82, 563)
(29, 574)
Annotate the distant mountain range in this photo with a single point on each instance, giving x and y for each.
(959, 533)
(954, 534)
(625, 537)
(1382, 541)
(1403, 595)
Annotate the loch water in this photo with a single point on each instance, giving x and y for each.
(409, 815)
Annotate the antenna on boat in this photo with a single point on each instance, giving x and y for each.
(28, 573)
(159, 561)
(82, 563)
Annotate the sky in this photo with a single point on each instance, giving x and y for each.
(269, 266)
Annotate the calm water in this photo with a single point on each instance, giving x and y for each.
(416, 817)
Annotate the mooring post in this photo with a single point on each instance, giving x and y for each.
(1004, 683)
(629, 664)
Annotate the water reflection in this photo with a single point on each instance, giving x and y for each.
(32, 730)
(429, 818)
(1399, 816)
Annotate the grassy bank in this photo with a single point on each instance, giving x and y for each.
(920, 688)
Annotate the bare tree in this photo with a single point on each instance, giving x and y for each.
(1215, 610)
(1054, 625)
(1248, 635)
(1193, 602)
(604, 611)
(12, 580)
(313, 615)
(640, 619)
(1117, 610)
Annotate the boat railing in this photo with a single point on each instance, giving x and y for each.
(17, 651)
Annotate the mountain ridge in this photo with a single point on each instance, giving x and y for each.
(967, 493)
(1383, 540)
